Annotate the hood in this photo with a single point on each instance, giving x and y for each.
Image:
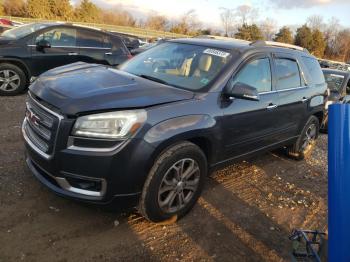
(82, 87)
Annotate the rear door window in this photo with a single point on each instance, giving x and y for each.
(87, 38)
(287, 73)
(256, 73)
(314, 70)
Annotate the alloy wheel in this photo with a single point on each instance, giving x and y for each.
(309, 138)
(179, 185)
(9, 80)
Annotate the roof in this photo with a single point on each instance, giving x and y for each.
(336, 71)
(215, 43)
(234, 44)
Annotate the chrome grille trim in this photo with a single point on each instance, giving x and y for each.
(40, 127)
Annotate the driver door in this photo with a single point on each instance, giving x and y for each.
(251, 125)
(63, 49)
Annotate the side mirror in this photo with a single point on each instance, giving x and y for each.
(243, 91)
(42, 44)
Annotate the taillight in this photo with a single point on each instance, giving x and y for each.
(129, 56)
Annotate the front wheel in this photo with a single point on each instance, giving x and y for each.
(174, 183)
(305, 144)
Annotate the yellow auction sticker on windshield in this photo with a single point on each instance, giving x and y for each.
(216, 52)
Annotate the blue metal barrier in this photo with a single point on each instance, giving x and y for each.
(339, 183)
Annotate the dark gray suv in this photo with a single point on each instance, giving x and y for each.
(147, 134)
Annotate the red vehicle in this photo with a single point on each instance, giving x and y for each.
(5, 22)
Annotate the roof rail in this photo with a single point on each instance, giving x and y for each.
(278, 44)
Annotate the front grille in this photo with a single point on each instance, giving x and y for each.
(41, 126)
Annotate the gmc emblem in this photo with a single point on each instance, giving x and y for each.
(32, 117)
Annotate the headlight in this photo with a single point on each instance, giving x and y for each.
(121, 124)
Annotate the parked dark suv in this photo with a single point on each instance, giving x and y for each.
(338, 82)
(29, 50)
(148, 134)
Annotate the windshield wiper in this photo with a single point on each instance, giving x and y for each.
(155, 79)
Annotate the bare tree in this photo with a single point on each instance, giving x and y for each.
(157, 22)
(188, 23)
(315, 22)
(268, 28)
(228, 19)
(344, 45)
(246, 13)
(331, 34)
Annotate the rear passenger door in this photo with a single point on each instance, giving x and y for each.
(292, 92)
(92, 48)
(251, 125)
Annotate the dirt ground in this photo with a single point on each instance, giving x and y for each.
(246, 212)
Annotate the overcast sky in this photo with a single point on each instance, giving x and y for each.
(285, 12)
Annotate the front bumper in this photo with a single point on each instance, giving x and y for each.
(116, 176)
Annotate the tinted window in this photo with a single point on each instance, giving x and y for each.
(22, 31)
(90, 39)
(287, 72)
(314, 69)
(59, 37)
(334, 81)
(116, 44)
(257, 74)
(348, 88)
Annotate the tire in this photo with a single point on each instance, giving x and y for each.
(306, 142)
(324, 126)
(158, 206)
(13, 80)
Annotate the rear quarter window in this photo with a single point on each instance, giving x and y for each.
(314, 69)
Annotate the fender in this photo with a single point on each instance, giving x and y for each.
(181, 128)
(19, 61)
(177, 126)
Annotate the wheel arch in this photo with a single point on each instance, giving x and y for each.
(18, 63)
(197, 129)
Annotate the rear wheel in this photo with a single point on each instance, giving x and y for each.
(306, 142)
(174, 183)
(13, 80)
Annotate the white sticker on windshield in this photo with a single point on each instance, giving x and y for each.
(216, 52)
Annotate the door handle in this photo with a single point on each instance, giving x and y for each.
(72, 53)
(271, 106)
(109, 53)
(304, 100)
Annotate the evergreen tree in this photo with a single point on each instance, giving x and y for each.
(88, 12)
(304, 37)
(15, 8)
(39, 9)
(284, 36)
(249, 32)
(61, 9)
(2, 9)
(318, 43)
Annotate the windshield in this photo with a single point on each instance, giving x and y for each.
(181, 65)
(334, 81)
(22, 31)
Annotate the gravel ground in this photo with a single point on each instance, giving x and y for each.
(245, 213)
